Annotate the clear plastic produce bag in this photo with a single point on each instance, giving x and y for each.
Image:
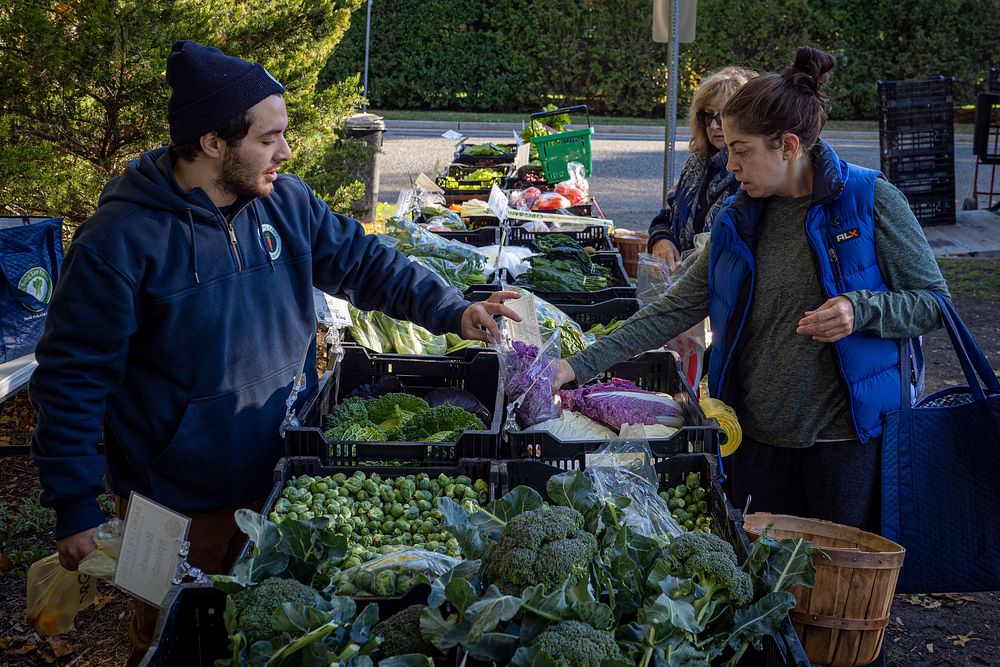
(394, 573)
(529, 375)
(654, 279)
(624, 468)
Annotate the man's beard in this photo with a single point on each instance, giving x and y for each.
(240, 178)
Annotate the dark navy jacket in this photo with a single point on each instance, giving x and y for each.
(178, 336)
(843, 203)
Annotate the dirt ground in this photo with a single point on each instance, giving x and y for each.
(949, 629)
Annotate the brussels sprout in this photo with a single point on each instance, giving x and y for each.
(384, 583)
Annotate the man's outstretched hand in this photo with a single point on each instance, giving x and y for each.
(478, 322)
(74, 548)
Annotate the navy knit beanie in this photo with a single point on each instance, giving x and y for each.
(210, 89)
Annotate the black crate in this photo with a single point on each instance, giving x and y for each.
(478, 374)
(466, 185)
(901, 93)
(986, 135)
(464, 354)
(653, 371)
(294, 466)
(921, 163)
(487, 160)
(621, 285)
(932, 209)
(916, 142)
(595, 236)
(783, 649)
(483, 236)
(191, 632)
(589, 315)
(940, 184)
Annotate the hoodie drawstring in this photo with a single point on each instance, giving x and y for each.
(260, 235)
(194, 247)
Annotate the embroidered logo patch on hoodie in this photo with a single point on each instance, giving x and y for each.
(272, 241)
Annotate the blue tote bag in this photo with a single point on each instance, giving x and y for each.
(30, 256)
(941, 476)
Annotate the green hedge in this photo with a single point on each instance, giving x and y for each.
(517, 56)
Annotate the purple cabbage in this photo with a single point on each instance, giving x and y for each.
(621, 402)
(530, 375)
(386, 384)
(460, 399)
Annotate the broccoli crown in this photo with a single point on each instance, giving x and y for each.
(685, 545)
(711, 563)
(542, 546)
(256, 605)
(576, 644)
(401, 634)
(444, 421)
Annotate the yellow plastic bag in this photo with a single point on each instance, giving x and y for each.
(55, 595)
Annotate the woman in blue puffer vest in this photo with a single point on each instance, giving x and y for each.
(816, 278)
(704, 183)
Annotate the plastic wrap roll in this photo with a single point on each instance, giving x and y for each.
(731, 434)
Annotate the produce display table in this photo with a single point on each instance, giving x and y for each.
(14, 375)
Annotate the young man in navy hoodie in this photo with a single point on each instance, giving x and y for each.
(183, 311)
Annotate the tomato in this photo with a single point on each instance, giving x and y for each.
(551, 201)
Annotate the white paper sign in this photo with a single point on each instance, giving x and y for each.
(527, 330)
(331, 310)
(427, 185)
(498, 203)
(523, 155)
(452, 135)
(404, 202)
(150, 549)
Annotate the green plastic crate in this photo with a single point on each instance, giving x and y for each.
(556, 151)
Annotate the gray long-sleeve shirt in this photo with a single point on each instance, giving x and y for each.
(792, 392)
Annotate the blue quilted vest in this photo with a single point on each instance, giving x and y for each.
(840, 226)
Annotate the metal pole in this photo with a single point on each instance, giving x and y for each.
(368, 34)
(670, 122)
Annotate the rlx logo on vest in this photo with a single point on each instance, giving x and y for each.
(849, 235)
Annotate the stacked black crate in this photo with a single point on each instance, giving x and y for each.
(917, 138)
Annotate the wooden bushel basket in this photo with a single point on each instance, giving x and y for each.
(841, 621)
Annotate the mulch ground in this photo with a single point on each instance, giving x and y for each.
(947, 629)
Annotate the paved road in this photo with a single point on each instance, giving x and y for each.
(628, 168)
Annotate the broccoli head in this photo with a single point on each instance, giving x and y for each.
(542, 546)
(255, 606)
(442, 423)
(401, 634)
(576, 644)
(710, 562)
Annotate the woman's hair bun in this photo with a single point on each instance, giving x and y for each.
(809, 71)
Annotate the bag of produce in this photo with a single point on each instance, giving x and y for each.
(394, 573)
(529, 374)
(624, 469)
